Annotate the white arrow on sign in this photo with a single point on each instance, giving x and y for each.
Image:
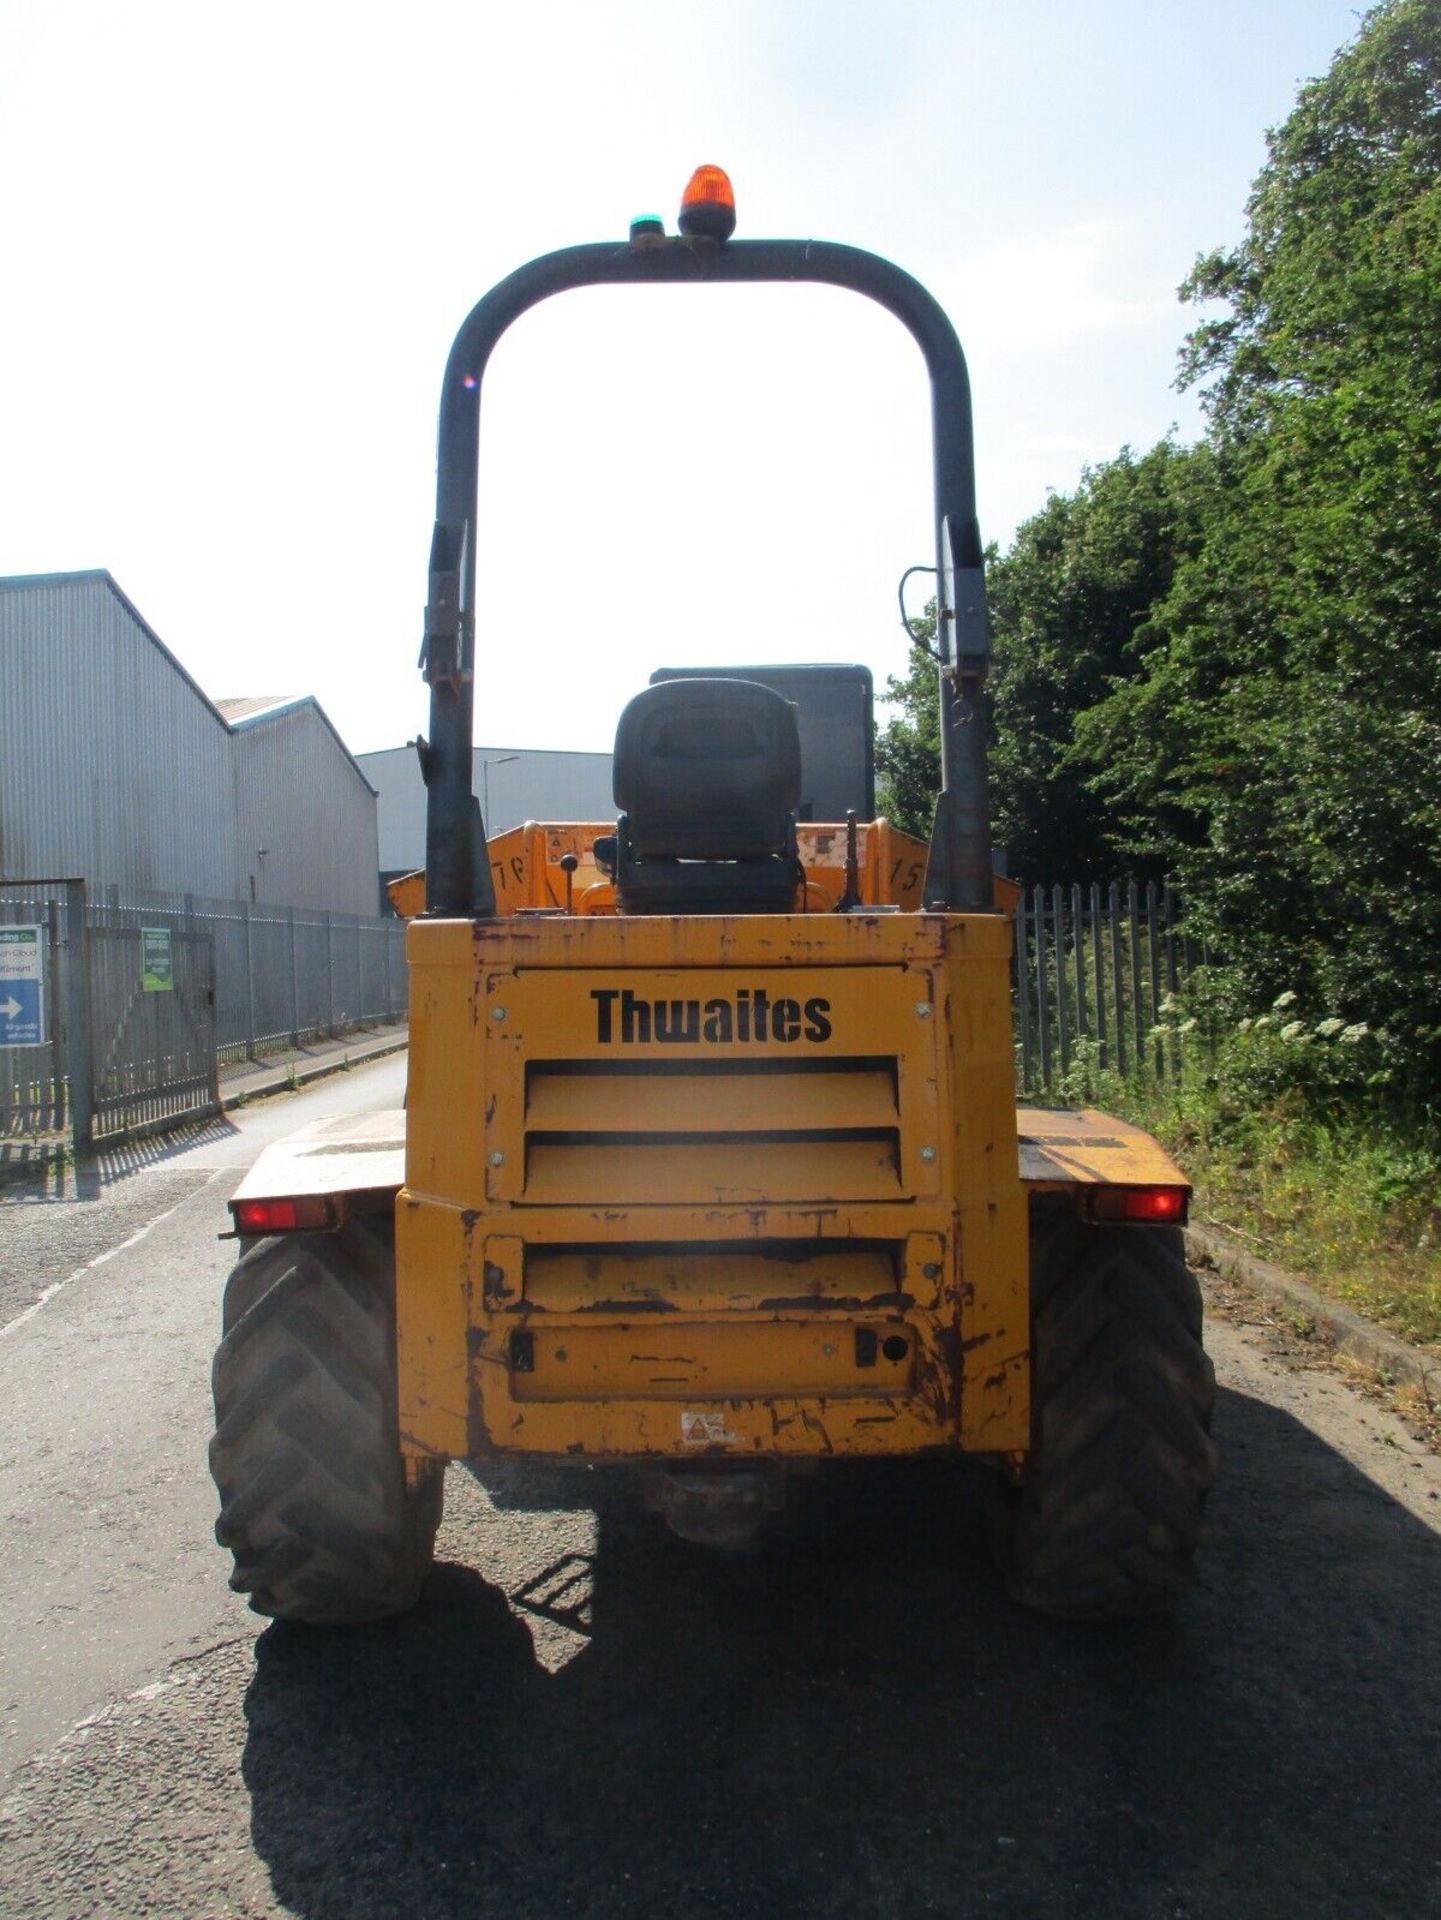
(9, 1008)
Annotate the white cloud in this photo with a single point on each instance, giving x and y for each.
(1047, 290)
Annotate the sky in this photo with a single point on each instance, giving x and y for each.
(237, 243)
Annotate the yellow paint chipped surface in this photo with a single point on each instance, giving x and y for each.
(869, 1127)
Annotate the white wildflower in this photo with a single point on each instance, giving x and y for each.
(1287, 999)
(1292, 1029)
(1352, 1034)
(1328, 1029)
(1261, 1020)
(1187, 1026)
(1245, 1025)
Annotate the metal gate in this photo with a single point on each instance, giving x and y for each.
(152, 1002)
(41, 931)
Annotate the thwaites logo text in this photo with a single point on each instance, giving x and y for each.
(630, 1019)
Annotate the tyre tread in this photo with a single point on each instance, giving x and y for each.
(314, 1502)
(1110, 1511)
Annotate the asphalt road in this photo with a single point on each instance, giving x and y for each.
(110, 1285)
(585, 1716)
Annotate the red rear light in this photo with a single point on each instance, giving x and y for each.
(302, 1213)
(1159, 1206)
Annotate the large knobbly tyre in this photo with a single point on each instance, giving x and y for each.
(314, 1503)
(1108, 1517)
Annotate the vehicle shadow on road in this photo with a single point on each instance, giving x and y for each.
(858, 1722)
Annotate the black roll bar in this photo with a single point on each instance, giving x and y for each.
(458, 882)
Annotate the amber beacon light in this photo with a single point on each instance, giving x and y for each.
(708, 205)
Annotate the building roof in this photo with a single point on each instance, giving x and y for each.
(493, 753)
(259, 710)
(235, 715)
(99, 576)
(251, 706)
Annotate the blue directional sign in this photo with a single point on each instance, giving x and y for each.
(22, 986)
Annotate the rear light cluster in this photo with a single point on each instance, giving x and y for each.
(304, 1212)
(1155, 1206)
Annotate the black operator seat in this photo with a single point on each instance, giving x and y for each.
(707, 774)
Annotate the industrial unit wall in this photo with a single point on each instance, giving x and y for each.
(514, 785)
(116, 768)
(291, 767)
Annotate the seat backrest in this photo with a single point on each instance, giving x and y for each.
(708, 770)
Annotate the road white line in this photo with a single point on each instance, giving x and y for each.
(59, 1286)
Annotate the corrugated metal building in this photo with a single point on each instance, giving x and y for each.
(307, 829)
(116, 768)
(514, 785)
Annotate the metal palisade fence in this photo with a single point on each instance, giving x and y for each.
(119, 1011)
(40, 927)
(287, 974)
(1094, 966)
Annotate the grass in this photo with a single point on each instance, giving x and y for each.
(1354, 1209)
(1284, 1127)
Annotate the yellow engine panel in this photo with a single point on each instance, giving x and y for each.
(711, 1185)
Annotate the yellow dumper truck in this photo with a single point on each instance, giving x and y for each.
(711, 1164)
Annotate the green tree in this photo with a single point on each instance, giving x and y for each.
(1071, 609)
(1337, 232)
(1070, 605)
(1287, 734)
(908, 746)
(1225, 662)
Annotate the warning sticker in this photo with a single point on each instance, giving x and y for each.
(703, 1427)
